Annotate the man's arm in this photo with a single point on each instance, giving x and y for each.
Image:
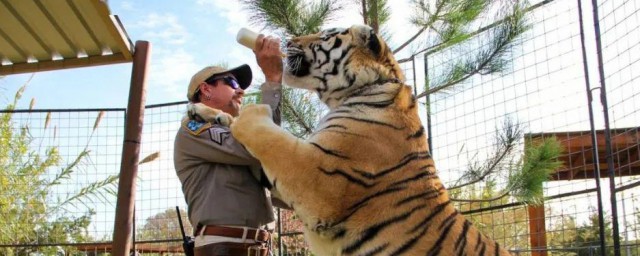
(269, 59)
(272, 95)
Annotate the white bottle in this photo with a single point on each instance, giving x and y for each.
(247, 38)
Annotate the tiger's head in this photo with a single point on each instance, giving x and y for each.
(336, 61)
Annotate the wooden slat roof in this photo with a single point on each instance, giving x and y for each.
(37, 35)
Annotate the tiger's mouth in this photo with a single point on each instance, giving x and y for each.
(297, 64)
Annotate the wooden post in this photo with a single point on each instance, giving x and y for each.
(537, 230)
(122, 230)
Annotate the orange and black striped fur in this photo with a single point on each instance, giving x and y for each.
(364, 183)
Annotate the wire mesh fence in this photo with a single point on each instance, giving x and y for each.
(549, 90)
(59, 174)
(620, 37)
(552, 88)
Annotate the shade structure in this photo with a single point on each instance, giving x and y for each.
(48, 35)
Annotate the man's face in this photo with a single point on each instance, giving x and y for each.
(223, 95)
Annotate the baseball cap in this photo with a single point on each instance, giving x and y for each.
(242, 73)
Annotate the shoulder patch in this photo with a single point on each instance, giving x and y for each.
(194, 127)
(218, 134)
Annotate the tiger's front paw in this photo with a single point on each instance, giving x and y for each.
(249, 120)
(204, 113)
(224, 119)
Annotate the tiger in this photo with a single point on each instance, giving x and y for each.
(364, 182)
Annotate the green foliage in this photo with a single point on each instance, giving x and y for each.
(165, 225)
(524, 179)
(582, 240)
(293, 17)
(30, 213)
(448, 18)
(454, 23)
(376, 13)
(299, 112)
(506, 138)
(540, 160)
(506, 225)
(292, 239)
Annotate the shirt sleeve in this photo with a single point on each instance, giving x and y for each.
(272, 95)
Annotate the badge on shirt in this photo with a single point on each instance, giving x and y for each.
(194, 127)
(218, 135)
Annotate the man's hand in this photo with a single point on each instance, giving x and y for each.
(269, 58)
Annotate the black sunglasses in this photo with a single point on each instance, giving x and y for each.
(229, 80)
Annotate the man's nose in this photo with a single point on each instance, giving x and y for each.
(240, 91)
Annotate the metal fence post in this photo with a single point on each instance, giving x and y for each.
(428, 102)
(594, 139)
(607, 131)
(279, 232)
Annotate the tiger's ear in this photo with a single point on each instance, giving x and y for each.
(374, 44)
(368, 38)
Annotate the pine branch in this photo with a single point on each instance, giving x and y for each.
(297, 117)
(525, 179)
(410, 40)
(539, 161)
(295, 17)
(505, 144)
(443, 45)
(490, 168)
(495, 198)
(422, 23)
(300, 112)
(489, 61)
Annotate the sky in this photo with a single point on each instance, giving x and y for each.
(185, 36)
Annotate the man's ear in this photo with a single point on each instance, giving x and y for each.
(203, 86)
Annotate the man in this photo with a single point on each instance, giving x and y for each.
(228, 206)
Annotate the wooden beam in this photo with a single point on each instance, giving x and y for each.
(537, 230)
(62, 64)
(123, 226)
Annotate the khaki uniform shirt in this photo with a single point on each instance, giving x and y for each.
(218, 175)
